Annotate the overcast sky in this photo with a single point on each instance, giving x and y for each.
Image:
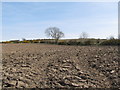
(29, 20)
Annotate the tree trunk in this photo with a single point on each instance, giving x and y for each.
(56, 41)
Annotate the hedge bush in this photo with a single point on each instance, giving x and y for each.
(111, 42)
(71, 42)
(88, 42)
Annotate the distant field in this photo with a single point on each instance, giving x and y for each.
(49, 66)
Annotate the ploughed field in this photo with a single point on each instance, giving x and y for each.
(50, 66)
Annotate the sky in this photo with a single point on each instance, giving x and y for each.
(60, 0)
(30, 19)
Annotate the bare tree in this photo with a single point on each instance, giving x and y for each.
(83, 35)
(111, 37)
(55, 33)
(23, 39)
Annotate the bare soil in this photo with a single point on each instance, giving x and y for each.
(51, 66)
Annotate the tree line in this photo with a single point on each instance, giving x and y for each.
(55, 34)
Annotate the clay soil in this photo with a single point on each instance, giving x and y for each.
(59, 66)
